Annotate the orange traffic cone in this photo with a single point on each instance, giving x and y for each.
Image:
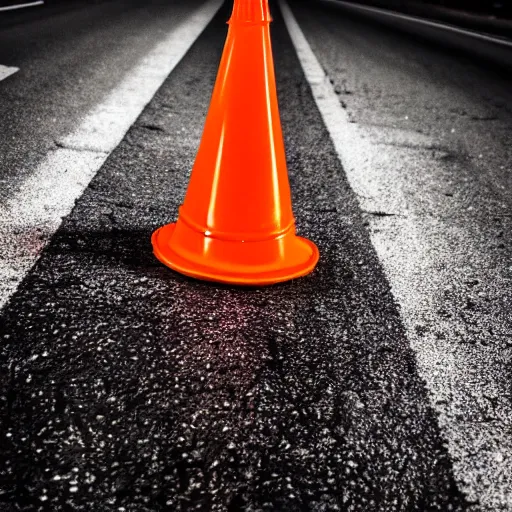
(236, 223)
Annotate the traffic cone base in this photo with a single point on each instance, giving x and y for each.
(264, 262)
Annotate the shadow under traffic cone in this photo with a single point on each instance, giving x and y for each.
(236, 223)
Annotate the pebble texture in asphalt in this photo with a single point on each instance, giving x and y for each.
(131, 387)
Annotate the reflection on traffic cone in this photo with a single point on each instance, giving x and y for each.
(236, 223)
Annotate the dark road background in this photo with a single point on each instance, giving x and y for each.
(381, 382)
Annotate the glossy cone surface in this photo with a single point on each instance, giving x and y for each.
(236, 223)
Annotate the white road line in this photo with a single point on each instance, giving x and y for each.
(421, 21)
(6, 71)
(456, 379)
(34, 213)
(21, 6)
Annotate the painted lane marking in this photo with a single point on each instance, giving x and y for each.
(32, 215)
(6, 71)
(421, 21)
(457, 380)
(21, 6)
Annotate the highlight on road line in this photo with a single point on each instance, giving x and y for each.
(21, 6)
(48, 195)
(236, 223)
(6, 71)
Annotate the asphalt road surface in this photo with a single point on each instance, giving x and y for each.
(380, 382)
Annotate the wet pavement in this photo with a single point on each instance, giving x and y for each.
(128, 387)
